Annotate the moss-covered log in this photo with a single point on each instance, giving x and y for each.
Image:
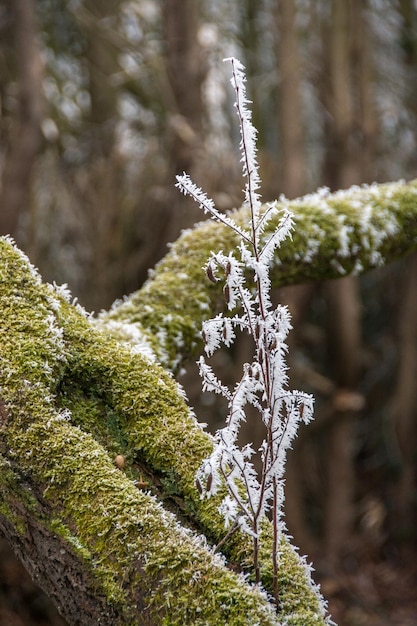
(348, 232)
(123, 545)
(112, 546)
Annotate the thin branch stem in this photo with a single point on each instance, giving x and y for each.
(250, 493)
(230, 532)
(207, 205)
(275, 524)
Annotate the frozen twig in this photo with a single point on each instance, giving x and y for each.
(264, 381)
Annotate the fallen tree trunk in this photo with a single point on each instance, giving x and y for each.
(123, 544)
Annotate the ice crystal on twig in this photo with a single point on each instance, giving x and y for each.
(264, 383)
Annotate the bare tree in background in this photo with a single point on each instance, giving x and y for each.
(342, 169)
(404, 401)
(102, 196)
(24, 140)
(186, 69)
(291, 116)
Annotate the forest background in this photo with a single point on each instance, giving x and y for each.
(103, 103)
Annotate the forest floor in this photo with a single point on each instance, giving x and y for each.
(375, 594)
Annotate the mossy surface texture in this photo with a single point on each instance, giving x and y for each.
(71, 399)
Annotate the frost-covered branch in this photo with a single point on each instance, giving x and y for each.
(264, 381)
(247, 142)
(188, 188)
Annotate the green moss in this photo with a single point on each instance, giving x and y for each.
(160, 430)
(60, 529)
(129, 542)
(116, 527)
(93, 415)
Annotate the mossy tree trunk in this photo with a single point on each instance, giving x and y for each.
(123, 544)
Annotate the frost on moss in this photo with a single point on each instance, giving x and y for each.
(71, 398)
(348, 232)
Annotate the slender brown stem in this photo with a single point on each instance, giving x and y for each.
(230, 532)
(256, 554)
(275, 523)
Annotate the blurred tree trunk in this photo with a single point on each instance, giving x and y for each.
(25, 135)
(185, 72)
(404, 402)
(101, 190)
(340, 166)
(297, 299)
(99, 26)
(404, 405)
(365, 120)
(345, 164)
(344, 343)
(293, 184)
(249, 36)
(290, 113)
